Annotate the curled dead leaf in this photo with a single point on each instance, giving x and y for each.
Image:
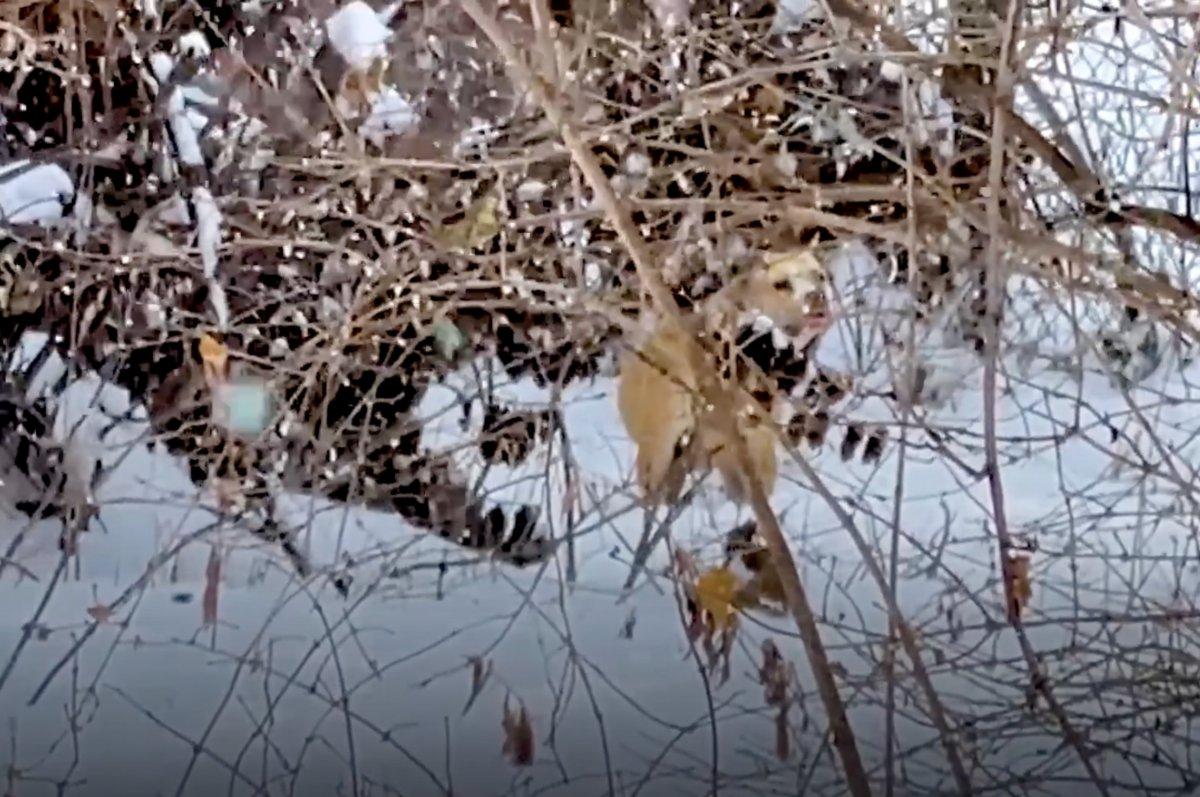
(1021, 583)
(481, 669)
(214, 357)
(518, 735)
(774, 675)
(783, 745)
(212, 587)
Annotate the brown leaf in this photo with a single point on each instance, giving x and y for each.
(1021, 584)
(100, 613)
(518, 735)
(628, 626)
(212, 584)
(481, 669)
(774, 675)
(783, 745)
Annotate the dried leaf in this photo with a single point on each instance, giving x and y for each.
(654, 396)
(518, 735)
(100, 613)
(215, 358)
(715, 593)
(481, 670)
(628, 626)
(477, 227)
(774, 675)
(1022, 585)
(783, 746)
(212, 585)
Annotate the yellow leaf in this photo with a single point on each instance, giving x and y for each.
(518, 735)
(100, 613)
(477, 227)
(215, 358)
(655, 399)
(715, 593)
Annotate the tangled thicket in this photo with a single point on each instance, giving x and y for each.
(739, 131)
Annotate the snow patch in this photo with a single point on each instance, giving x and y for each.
(208, 229)
(391, 114)
(791, 14)
(30, 194)
(359, 34)
(183, 130)
(194, 45)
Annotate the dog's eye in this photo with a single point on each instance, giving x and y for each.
(782, 285)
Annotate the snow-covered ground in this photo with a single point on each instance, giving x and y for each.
(605, 674)
(113, 678)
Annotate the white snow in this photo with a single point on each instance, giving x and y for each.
(790, 14)
(359, 34)
(220, 304)
(671, 14)
(183, 130)
(208, 229)
(391, 114)
(194, 45)
(81, 415)
(531, 190)
(161, 66)
(186, 122)
(33, 193)
(891, 70)
(208, 239)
